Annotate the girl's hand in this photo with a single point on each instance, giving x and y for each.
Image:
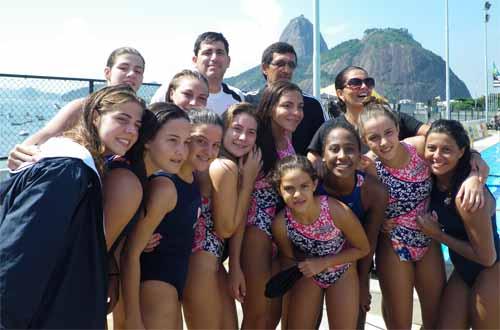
(252, 165)
(387, 226)
(479, 165)
(429, 224)
(22, 154)
(365, 298)
(318, 164)
(471, 193)
(311, 267)
(237, 285)
(365, 162)
(154, 241)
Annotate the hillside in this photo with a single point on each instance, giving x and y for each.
(403, 69)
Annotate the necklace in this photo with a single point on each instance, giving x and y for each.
(446, 190)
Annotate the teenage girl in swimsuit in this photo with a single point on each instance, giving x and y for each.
(471, 295)
(279, 112)
(154, 282)
(362, 192)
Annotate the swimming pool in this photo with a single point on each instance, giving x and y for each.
(492, 157)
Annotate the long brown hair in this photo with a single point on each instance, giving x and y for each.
(95, 105)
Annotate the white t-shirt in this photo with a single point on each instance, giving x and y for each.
(218, 102)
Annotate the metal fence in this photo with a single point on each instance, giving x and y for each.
(28, 102)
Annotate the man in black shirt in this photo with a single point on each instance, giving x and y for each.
(279, 61)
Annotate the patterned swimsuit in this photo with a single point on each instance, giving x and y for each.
(409, 194)
(265, 200)
(319, 239)
(205, 237)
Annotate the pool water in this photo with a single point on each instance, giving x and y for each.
(492, 157)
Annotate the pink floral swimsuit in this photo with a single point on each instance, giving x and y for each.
(409, 195)
(319, 239)
(265, 200)
(205, 237)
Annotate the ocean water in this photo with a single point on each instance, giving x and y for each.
(20, 118)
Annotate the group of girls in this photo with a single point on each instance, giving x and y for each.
(183, 189)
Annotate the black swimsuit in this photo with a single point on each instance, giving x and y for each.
(453, 225)
(169, 260)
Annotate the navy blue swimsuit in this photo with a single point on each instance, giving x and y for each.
(353, 200)
(169, 260)
(454, 226)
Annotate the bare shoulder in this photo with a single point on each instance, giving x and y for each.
(123, 183)
(337, 207)
(221, 166)
(162, 196)
(418, 142)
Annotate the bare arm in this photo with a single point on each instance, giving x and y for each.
(280, 237)
(122, 195)
(375, 197)
(480, 248)
(66, 118)
(162, 199)
(250, 170)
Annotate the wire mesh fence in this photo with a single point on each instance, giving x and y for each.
(28, 102)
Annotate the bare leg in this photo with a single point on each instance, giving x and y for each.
(275, 312)
(256, 258)
(203, 294)
(485, 299)
(396, 280)
(453, 311)
(430, 278)
(160, 306)
(342, 301)
(304, 300)
(230, 318)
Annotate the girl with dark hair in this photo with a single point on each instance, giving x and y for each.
(188, 89)
(162, 138)
(207, 300)
(279, 112)
(52, 245)
(324, 238)
(470, 297)
(361, 192)
(153, 283)
(124, 65)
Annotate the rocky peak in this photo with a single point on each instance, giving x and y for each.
(299, 33)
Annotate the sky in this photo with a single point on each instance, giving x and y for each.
(74, 39)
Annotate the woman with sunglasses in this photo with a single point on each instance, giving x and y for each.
(354, 89)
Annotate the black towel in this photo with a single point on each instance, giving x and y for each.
(280, 283)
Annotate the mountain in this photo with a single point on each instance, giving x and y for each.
(402, 68)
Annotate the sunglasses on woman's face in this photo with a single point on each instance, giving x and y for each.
(356, 83)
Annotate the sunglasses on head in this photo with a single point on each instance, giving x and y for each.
(280, 64)
(358, 82)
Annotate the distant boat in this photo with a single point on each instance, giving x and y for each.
(24, 133)
(19, 123)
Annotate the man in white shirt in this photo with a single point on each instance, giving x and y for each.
(211, 59)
